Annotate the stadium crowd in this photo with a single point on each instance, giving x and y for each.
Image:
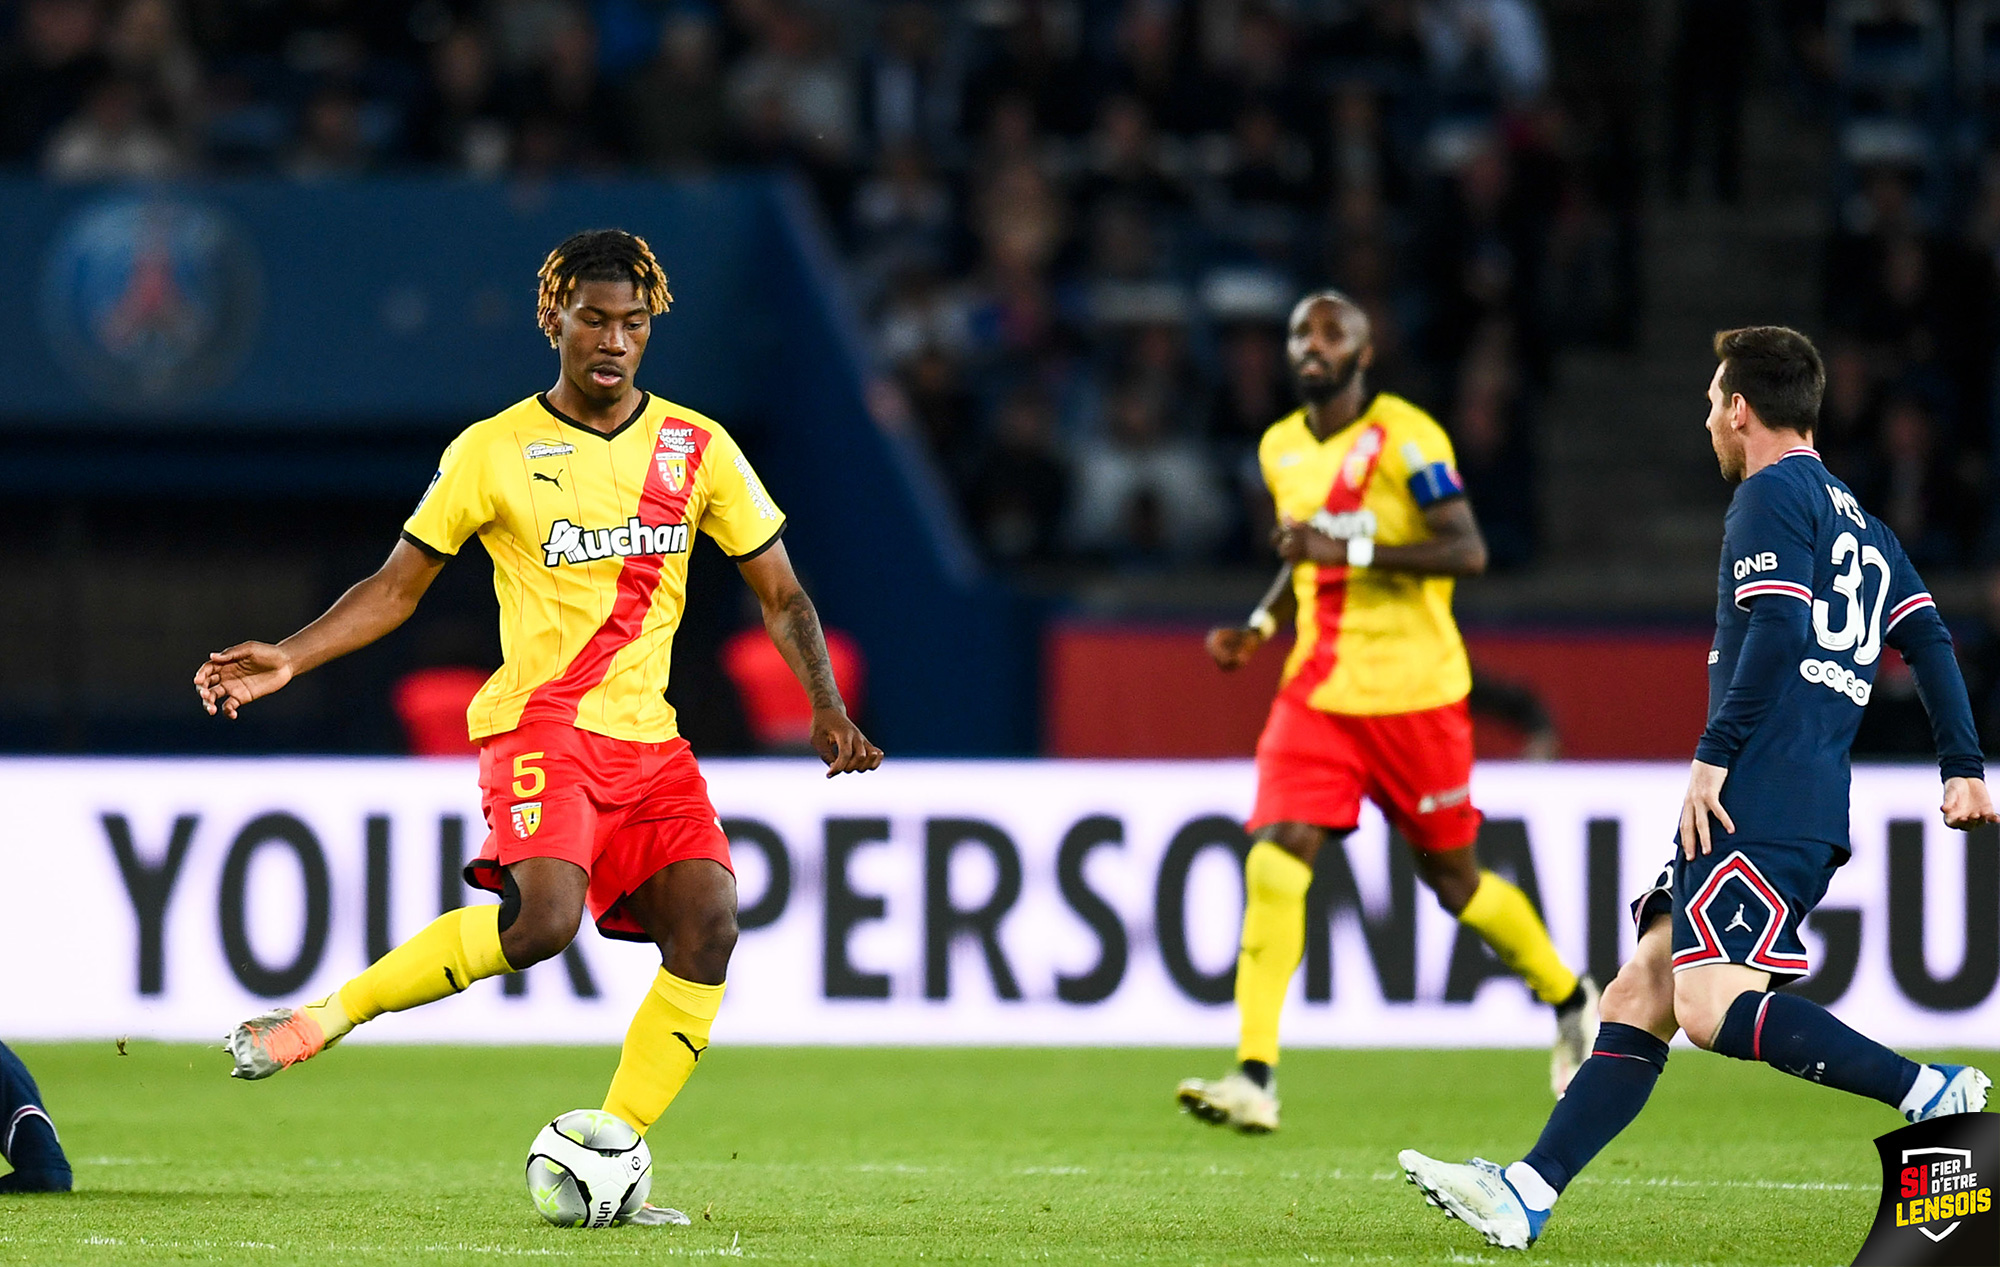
(1075, 225)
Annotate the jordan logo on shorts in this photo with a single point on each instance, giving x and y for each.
(1737, 921)
(527, 817)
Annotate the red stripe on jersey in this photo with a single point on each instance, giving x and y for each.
(1789, 589)
(1330, 595)
(558, 698)
(1913, 603)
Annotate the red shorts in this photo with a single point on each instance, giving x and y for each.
(1314, 767)
(620, 810)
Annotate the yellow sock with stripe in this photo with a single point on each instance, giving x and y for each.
(1274, 939)
(1506, 919)
(668, 1034)
(456, 949)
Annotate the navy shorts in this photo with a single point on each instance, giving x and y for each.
(1742, 904)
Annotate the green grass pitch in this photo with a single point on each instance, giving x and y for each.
(380, 1154)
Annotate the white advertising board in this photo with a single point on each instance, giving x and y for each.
(928, 902)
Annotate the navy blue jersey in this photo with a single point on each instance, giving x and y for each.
(1783, 726)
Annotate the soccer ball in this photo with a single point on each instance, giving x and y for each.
(588, 1168)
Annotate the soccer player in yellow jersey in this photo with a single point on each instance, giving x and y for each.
(1374, 520)
(585, 497)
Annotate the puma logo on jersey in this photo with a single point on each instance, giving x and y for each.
(1765, 562)
(571, 543)
(547, 479)
(549, 449)
(1737, 921)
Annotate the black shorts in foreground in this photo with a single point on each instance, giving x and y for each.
(1743, 903)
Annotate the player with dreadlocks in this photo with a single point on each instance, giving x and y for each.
(586, 497)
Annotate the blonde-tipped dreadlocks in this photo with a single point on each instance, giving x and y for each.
(600, 255)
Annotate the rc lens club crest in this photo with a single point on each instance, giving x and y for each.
(527, 817)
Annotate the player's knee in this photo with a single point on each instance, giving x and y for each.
(1301, 840)
(1452, 876)
(1636, 998)
(1699, 1011)
(714, 932)
(539, 931)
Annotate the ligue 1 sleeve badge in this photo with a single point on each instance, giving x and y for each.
(1937, 1195)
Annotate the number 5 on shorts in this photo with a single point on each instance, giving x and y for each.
(528, 779)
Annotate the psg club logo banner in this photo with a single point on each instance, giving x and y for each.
(1937, 1195)
(150, 302)
(990, 902)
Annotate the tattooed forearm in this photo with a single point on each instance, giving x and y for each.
(794, 627)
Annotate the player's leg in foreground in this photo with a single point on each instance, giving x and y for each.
(27, 1135)
(1506, 920)
(1276, 876)
(1725, 1008)
(1508, 1206)
(540, 908)
(688, 908)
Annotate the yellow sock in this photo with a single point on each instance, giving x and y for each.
(668, 1034)
(1274, 938)
(458, 948)
(1502, 915)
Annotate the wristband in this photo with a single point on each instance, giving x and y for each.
(1360, 551)
(1264, 623)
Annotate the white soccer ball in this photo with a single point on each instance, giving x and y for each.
(588, 1168)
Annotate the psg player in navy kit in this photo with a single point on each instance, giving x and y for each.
(1813, 589)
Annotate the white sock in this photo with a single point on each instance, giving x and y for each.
(1930, 1081)
(1535, 1191)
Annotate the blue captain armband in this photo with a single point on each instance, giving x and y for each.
(1432, 484)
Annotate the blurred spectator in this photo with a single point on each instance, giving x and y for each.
(112, 138)
(1915, 484)
(1711, 58)
(1491, 428)
(147, 45)
(330, 144)
(1019, 490)
(52, 65)
(791, 95)
(1482, 48)
(461, 121)
(1142, 497)
(679, 117)
(570, 117)
(909, 88)
(1125, 162)
(903, 217)
(943, 408)
(1035, 59)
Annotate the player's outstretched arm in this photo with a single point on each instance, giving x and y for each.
(792, 622)
(228, 680)
(1454, 548)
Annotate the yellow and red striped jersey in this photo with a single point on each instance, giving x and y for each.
(589, 536)
(1371, 641)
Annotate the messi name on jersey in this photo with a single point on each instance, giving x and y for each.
(570, 543)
